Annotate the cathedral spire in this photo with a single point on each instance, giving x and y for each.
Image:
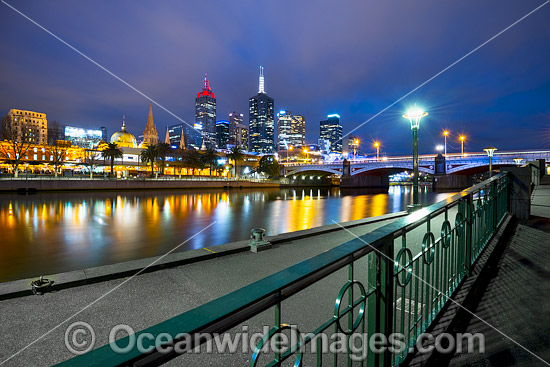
(182, 140)
(261, 87)
(167, 138)
(150, 134)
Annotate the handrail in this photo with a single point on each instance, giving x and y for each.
(230, 310)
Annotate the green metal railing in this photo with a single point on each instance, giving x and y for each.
(399, 277)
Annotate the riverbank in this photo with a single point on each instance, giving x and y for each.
(81, 184)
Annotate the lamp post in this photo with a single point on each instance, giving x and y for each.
(518, 161)
(462, 138)
(414, 115)
(445, 134)
(307, 155)
(490, 151)
(289, 148)
(377, 146)
(355, 146)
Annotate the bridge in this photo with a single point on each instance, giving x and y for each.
(467, 164)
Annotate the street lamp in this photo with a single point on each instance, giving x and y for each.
(377, 146)
(490, 151)
(414, 115)
(307, 155)
(462, 138)
(445, 134)
(518, 161)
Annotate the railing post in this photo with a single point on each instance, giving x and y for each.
(384, 299)
(469, 211)
(494, 199)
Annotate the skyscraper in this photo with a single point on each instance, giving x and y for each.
(241, 136)
(150, 135)
(191, 138)
(331, 130)
(291, 130)
(234, 119)
(261, 116)
(222, 133)
(205, 114)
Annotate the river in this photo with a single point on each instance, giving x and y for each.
(48, 233)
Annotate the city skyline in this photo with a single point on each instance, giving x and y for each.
(486, 96)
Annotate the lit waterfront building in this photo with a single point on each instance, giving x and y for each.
(150, 134)
(83, 138)
(331, 130)
(205, 114)
(124, 138)
(291, 130)
(29, 126)
(261, 117)
(222, 133)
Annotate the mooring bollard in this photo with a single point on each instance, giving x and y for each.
(257, 242)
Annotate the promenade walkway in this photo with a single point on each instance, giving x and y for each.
(512, 295)
(148, 299)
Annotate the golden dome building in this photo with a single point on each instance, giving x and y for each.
(123, 138)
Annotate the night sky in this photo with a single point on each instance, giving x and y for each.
(353, 58)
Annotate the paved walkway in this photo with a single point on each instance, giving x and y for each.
(154, 297)
(513, 297)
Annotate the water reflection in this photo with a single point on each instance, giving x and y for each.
(54, 232)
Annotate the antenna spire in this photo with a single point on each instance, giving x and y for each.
(205, 84)
(261, 88)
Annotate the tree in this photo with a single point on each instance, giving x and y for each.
(58, 154)
(112, 151)
(16, 144)
(269, 165)
(210, 159)
(91, 159)
(150, 155)
(192, 159)
(236, 154)
(162, 150)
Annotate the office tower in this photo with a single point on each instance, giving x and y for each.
(291, 130)
(261, 117)
(331, 130)
(222, 133)
(205, 114)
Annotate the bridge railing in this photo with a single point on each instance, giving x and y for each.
(395, 279)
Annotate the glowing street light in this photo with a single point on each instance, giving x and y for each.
(439, 147)
(355, 146)
(377, 146)
(414, 115)
(518, 161)
(462, 138)
(445, 134)
(490, 151)
(307, 155)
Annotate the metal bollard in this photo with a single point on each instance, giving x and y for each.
(257, 242)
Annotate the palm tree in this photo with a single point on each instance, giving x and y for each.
(236, 154)
(150, 155)
(210, 158)
(162, 150)
(112, 151)
(192, 159)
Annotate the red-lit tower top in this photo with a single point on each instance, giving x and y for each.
(206, 90)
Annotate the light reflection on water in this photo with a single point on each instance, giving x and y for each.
(55, 232)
